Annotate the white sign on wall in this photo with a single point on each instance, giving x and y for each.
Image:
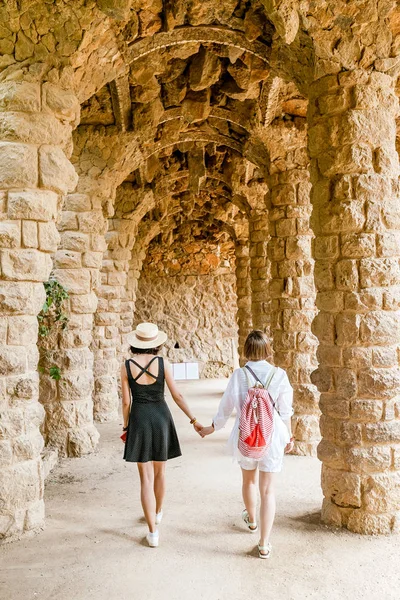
(185, 370)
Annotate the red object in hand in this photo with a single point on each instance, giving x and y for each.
(123, 436)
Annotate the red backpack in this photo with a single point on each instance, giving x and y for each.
(256, 418)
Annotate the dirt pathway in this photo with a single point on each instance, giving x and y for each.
(92, 547)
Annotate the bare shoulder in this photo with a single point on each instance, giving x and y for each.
(123, 370)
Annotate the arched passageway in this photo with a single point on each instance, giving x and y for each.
(272, 122)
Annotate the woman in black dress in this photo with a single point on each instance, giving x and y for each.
(151, 437)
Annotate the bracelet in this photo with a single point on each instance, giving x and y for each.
(193, 421)
(125, 429)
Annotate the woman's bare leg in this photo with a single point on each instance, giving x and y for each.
(159, 484)
(249, 492)
(268, 505)
(147, 497)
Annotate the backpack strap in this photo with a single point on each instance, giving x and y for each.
(248, 370)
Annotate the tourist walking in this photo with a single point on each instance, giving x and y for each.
(261, 433)
(149, 431)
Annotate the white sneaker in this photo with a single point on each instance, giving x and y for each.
(159, 517)
(152, 539)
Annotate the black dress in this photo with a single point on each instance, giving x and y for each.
(151, 431)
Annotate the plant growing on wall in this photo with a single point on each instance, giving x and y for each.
(52, 320)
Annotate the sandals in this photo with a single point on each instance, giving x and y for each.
(264, 551)
(253, 527)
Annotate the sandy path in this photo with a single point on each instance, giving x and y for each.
(92, 547)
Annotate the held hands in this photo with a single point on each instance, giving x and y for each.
(197, 426)
(206, 431)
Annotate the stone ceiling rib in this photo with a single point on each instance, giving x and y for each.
(121, 101)
(201, 34)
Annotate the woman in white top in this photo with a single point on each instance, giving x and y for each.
(257, 350)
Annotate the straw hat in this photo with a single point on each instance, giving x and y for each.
(146, 335)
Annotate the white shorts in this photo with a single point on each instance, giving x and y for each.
(272, 461)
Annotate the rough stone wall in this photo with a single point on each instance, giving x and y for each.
(188, 289)
(291, 287)
(35, 172)
(355, 174)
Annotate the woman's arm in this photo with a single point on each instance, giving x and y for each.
(226, 406)
(177, 396)
(285, 407)
(126, 396)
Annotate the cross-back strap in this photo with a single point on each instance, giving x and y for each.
(142, 369)
(265, 385)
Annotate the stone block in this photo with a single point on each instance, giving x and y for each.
(358, 245)
(335, 406)
(56, 171)
(341, 487)
(384, 357)
(18, 165)
(298, 248)
(323, 276)
(82, 441)
(20, 484)
(62, 103)
(380, 328)
(347, 329)
(330, 301)
(388, 244)
(67, 259)
(33, 129)
(25, 265)
(379, 383)
(20, 96)
(30, 234)
(92, 222)
(22, 331)
(92, 260)
(369, 524)
(382, 493)
(75, 241)
(331, 455)
(49, 238)
(322, 378)
(29, 446)
(77, 202)
(21, 297)
(10, 234)
(34, 518)
(379, 272)
(323, 327)
(363, 301)
(331, 514)
(345, 382)
(76, 386)
(366, 410)
(24, 387)
(34, 205)
(75, 281)
(346, 275)
(383, 432)
(84, 303)
(368, 460)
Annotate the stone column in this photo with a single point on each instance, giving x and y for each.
(291, 287)
(69, 403)
(243, 293)
(356, 220)
(107, 333)
(35, 125)
(259, 271)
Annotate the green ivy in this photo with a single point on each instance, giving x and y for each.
(52, 320)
